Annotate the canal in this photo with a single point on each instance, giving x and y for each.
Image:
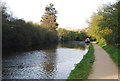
(42, 62)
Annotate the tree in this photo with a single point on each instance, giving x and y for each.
(105, 25)
(19, 33)
(49, 18)
(110, 22)
(71, 35)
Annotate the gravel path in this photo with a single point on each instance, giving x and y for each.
(103, 67)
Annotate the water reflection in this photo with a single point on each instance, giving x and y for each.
(49, 62)
(74, 44)
(13, 51)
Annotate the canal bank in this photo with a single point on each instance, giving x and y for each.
(83, 69)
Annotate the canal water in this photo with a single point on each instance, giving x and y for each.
(42, 62)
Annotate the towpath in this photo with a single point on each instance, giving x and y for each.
(103, 67)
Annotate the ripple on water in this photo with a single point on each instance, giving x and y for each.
(54, 63)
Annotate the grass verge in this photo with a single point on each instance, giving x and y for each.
(113, 52)
(83, 69)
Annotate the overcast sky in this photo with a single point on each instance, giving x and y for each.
(71, 13)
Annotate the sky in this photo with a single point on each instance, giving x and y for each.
(71, 13)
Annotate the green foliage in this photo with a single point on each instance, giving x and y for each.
(50, 10)
(113, 52)
(83, 69)
(18, 33)
(70, 35)
(49, 18)
(104, 25)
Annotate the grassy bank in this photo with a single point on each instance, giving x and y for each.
(83, 69)
(112, 51)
